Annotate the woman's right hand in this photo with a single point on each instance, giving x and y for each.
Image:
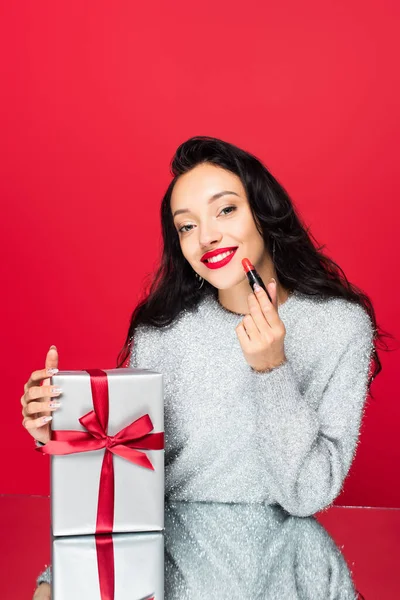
(42, 592)
(40, 399)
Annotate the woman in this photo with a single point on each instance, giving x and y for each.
(263, 400)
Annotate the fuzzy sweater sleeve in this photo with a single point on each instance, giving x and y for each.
(308, 451)
(45, 576)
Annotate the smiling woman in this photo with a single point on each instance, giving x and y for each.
(287, 379)
(217, 229)
(222, 198)
(263, 397)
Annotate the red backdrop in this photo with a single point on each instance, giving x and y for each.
(95, 98)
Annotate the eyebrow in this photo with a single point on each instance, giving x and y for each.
(215, 197)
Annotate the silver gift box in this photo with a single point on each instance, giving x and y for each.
(139, 492)
(138, 567)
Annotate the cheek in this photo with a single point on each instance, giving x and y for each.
(247, 232)
(186, 249)
(253, 234)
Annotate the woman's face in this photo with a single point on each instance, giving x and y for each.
(211, 212)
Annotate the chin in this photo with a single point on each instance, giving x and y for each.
(228, 284)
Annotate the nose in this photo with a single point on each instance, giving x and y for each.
(208, 235)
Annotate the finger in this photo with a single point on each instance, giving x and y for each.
(40, 377)
(51, 362)
(251, 328)
(36, 423)
(43, 592)
(44, 391)
(242, 336)
(258, 316)
(42, 595)
(40, 407)
(273, 292)
(268, 309)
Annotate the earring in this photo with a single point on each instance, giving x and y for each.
(198, 277)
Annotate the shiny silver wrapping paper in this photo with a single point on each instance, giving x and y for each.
(139, 492)
(138, 567)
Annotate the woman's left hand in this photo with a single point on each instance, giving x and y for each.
(261, 333)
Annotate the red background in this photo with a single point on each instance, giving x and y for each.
(95, 98)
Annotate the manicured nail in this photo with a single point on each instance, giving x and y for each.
(55, 404)
(52, 371)
(56, 390)
(46, 419)
(256, 287)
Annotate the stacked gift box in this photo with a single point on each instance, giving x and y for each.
(107, 485)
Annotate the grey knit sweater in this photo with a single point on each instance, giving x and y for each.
(287, 437)
(234, 435)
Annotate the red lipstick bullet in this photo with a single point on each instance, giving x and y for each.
(253, 276)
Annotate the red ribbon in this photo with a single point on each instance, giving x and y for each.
(105, 564)
(125, 444)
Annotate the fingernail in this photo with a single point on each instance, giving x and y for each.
(46, 419)
(256, 287)
(52, 371)
(274, 280)
(56, 390)
(55, 347)
(55, 404)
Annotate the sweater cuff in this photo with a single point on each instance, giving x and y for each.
(44, 577)
(281, 382)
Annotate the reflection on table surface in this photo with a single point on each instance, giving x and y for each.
(235, 551)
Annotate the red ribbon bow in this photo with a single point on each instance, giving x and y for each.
(125, 444)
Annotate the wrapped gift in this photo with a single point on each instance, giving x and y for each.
(107, 452)
(118, 566)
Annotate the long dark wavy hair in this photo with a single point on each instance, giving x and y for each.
(298, 261)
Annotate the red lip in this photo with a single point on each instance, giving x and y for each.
(208, 255)
(220, 263)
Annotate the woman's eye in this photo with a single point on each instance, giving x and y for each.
(181, 229)
(228, 207)
(232, 208)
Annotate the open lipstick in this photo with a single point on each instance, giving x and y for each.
(253, 276)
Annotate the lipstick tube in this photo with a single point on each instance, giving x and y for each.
(253, 276)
